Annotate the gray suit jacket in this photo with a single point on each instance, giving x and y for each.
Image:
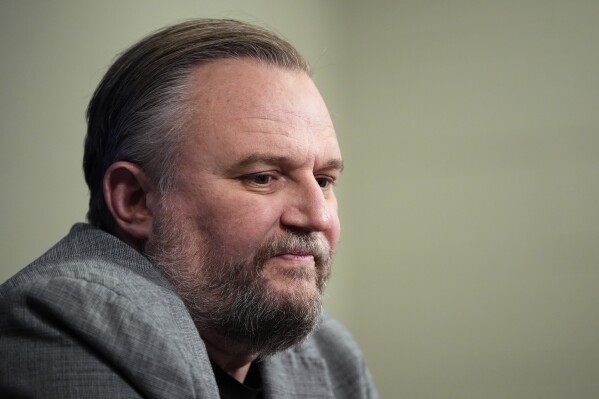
(92, 318)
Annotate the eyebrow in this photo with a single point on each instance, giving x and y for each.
(336, 164)
(333, 164)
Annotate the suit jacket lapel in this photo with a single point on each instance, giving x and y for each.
(290, 374)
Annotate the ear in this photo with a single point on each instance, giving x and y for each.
(130, 196)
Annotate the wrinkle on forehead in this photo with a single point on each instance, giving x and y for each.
(278, 125)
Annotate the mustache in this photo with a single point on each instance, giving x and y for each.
(293, 243)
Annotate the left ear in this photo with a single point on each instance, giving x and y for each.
(130, 195)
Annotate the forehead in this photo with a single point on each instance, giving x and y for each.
(235, 87)
(246, 106)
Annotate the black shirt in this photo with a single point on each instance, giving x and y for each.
(230, 388)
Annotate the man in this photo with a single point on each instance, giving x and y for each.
(211, 160)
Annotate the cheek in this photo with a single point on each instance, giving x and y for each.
(240, 224)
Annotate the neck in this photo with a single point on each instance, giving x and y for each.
(231, 358)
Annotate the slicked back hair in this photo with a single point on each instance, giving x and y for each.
(138, 111)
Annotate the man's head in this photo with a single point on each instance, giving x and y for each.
(222, 174)
(138, 111)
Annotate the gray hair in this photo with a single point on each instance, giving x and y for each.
(138, 111)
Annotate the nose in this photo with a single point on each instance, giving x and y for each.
(309, 208)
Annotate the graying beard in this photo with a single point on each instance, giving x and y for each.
(248, 315)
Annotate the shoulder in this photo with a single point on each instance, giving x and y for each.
(86, 253)
(83, 314)
(87, 262)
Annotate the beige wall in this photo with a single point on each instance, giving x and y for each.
(470, 260)
(474, 164)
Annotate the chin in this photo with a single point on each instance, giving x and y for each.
(294, 288)
(299, 281)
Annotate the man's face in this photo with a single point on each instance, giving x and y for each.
(248, 235)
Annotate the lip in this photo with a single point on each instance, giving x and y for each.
(295, 260)
(291, 256)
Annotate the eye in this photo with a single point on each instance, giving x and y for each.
(261, 179)
(325, 182)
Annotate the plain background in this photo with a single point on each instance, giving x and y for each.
(469, 264)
